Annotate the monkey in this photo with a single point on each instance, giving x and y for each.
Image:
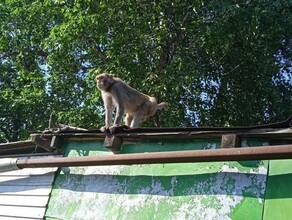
(116, 93)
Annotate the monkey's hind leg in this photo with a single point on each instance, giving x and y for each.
(137, 119)
(128, 120)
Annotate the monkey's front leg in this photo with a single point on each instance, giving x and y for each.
(118, 119)
(108, 103)
(119, 115)
(108, 119)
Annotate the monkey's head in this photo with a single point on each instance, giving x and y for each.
(104, 81)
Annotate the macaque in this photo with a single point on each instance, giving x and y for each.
(137, 106)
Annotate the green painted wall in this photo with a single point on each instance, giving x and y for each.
(225, 190)
(278, 199)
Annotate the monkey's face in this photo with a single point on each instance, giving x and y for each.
(103, 81)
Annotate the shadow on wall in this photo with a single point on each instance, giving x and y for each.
(223, 183)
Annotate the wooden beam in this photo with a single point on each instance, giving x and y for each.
(42, 142)
(230, 141)
(113, 143)
(56, 142)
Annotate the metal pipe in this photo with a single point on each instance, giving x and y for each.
(229, 154)
(8, 164)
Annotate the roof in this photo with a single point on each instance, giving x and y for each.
(47, 142)
(20, 148)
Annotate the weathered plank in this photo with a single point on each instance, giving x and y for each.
(25, 190)
(18, 200)
(17, 218)
(30, 171)
(42, 142)
(182, 133)
(113, 143)
(40, 180)
(25, 212)
(16, 144)
(230, 141)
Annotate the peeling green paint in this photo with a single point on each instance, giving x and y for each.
(159, 191)
(247, 209)
(278, 199)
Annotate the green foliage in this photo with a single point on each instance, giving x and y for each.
(218, 63)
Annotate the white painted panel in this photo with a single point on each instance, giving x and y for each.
(25, 190)
(17, 200)
(24, 194)
(27, 212)
(17, 218)
(44, 179)
(30, 171)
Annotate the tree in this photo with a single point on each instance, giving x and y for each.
(23, 98)
(218, 63)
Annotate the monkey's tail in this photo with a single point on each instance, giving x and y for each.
(162, 105)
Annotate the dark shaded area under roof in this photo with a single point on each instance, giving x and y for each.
(16, 149)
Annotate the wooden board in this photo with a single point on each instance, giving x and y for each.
(19, 200)
(25, 212)
(25, 190)
(39, 180)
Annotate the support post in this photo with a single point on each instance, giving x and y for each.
(42, 142)
(56, 142)
(113, 143)
(230, 141)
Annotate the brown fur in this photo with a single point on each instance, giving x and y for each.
(137, 106)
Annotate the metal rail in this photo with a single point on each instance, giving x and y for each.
(229, 154)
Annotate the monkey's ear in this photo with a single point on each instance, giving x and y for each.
(97, 78)
(108, 75)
